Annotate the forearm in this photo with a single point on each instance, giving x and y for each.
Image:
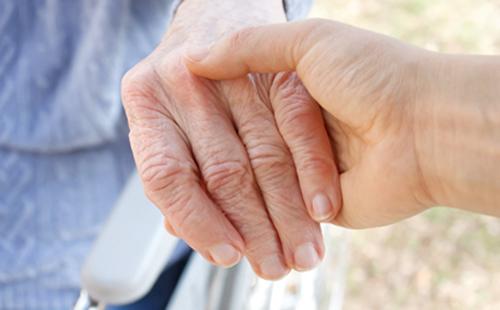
(460, 133)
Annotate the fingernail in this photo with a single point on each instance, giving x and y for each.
(306, 257)
(225, 255)
(321, 207)
(198, 54)
(272, 267)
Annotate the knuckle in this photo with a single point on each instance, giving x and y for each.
(315, 32)
(127, 85)
(129, 78)
(312, 162)
(224, 179)
(182, 88)
(270, 160)
(236, 39)
(147, 78)
(256, 127)
(133, 83)
(292, 103)
(298, 112)
(139, 93)
(285, 82)
(166, 178)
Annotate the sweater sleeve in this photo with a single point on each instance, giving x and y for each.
(297, 9)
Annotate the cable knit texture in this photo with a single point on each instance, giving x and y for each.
(64, 152)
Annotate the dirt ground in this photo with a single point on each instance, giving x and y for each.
(442, 259)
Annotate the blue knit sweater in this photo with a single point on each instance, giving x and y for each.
(64, 153)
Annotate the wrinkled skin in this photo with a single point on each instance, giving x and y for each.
(232, 165)
(367, 85)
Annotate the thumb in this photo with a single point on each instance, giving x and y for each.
(263, 49)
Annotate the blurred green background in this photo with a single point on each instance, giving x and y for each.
(442, 259)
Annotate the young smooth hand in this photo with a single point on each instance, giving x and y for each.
(404, 122)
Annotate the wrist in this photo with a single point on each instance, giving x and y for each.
(457, 129)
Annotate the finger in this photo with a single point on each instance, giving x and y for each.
(301, 124)
(171, 180)
(273, 166)
(229, 178)
(263, 49)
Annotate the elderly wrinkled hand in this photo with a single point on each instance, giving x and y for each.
(234, 166)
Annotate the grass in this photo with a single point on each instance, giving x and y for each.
(442, 259)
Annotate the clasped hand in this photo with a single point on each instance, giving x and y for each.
(244, 159)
